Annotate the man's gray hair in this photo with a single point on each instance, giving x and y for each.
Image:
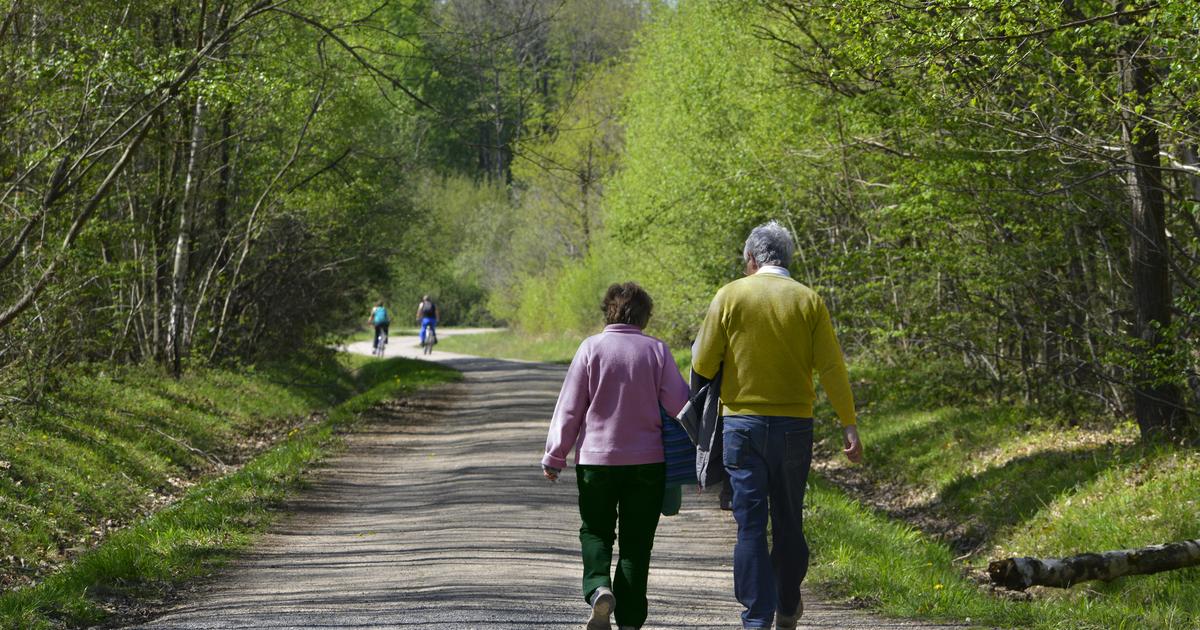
(770, 244)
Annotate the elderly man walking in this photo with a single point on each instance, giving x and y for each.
(766, 334)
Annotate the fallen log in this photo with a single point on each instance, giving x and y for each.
(1018, 574)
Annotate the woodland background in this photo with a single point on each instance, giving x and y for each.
(1006, 194)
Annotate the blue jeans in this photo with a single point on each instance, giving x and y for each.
(767, 458)
(430, 324)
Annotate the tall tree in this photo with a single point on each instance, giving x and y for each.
(1078, 86)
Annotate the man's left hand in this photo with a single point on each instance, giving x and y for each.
(852, 445)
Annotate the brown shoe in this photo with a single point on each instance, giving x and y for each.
(789, 622)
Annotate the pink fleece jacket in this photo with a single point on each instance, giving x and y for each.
(609, 402)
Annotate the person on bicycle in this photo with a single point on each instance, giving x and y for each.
(427, 314)
(379, 319)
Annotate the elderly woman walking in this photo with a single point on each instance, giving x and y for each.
(608, 411)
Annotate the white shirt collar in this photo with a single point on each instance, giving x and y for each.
(773, 270)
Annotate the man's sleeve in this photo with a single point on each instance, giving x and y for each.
(831, 366)
(709, 350)
(568, 413)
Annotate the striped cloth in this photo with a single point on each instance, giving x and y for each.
(678, 451)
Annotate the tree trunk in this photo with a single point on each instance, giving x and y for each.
(1157, 404)
(183, 245)
(1019, 574)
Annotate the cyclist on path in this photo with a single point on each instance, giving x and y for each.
(427, 314)
(379, 319)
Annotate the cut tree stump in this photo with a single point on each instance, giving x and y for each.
(1019, 574)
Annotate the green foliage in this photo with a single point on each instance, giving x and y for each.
(295, 194)
(528, 97)
(703, 130)
(1016, 124)
(566, 301)
(453, 251)
(502, 74)
(940, 202)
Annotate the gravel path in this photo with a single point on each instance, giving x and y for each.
(436, 516)
(409, 346)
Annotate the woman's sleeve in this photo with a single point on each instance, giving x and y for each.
(673, 391)
(568, 413)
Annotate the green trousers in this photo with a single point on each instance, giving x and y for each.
(632, 495)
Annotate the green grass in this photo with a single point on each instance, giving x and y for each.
(865, 557)
(890, 567)
(513, 345)
(117, 445)
(1018, 483)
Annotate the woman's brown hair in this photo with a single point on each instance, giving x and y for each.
(627, 303)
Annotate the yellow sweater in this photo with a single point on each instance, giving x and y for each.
(768, 334)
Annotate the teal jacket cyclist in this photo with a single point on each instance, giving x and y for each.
(379, 319)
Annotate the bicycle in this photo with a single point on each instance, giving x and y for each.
(430, 339)
(380, 344)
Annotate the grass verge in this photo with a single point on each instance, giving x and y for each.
(866, 558)
(507, 344)
(986, 481)
(211, 519)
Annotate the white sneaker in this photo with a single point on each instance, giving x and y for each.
(603, 603)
